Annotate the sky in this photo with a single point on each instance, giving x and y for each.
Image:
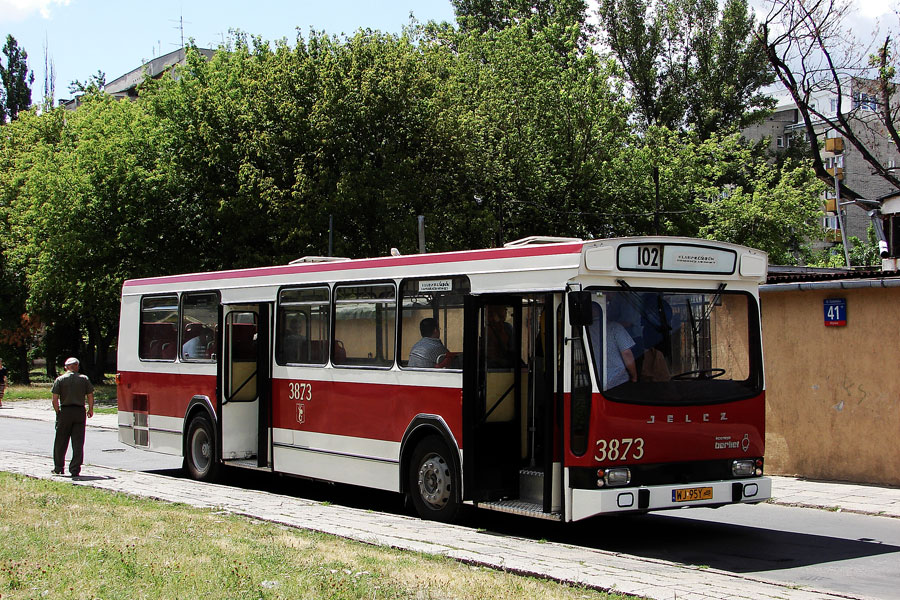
(117, 36)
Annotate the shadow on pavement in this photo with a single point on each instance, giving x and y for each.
(91, 477)
(718, 545)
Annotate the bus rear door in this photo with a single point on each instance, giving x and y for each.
(245, 386)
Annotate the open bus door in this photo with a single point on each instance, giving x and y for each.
(508, 402)
(245, 404)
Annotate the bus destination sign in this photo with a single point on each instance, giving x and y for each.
(678, 258)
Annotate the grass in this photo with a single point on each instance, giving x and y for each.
(104, 394)
(63, 541)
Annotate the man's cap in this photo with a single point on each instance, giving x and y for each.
(71, 361)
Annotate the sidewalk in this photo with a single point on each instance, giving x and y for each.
(787, 491)
(42, 410)
(647, 577)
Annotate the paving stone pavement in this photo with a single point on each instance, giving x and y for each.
(651, 578)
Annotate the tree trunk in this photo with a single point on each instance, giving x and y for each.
(22, 364)
(91, 368)
(103, 357)
(50, 368)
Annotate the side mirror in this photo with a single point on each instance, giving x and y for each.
(580, 310)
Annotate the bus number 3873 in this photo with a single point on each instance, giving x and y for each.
(623, 449)
(300, 391)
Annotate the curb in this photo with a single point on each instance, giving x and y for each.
(598, 569)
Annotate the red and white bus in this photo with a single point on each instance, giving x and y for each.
(556, 378)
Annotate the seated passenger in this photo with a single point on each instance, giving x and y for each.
(500, 339)
(198, 346)
(294, 342)
(426, 352)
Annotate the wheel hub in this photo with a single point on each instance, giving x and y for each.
(201, 450)
(434, 481)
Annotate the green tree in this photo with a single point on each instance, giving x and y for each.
(16, 80)
(89, 209)
(93, 84)
(483, 15)
(689, 63)
(537, 128)
(775, 210)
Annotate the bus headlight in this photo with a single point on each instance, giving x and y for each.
(613, 477)
(743, 468)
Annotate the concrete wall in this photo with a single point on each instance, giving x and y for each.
(833, 393)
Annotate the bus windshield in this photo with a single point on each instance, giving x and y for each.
(666, 347)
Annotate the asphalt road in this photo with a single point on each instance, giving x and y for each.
(850, 553)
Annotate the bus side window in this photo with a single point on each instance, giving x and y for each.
(303, 326)
(364, 325)
(199, 316)
(432, 305)
(158, 334)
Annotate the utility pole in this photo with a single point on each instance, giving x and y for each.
(836, 147)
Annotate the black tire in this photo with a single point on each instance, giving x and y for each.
(433, 483)
(200, 450)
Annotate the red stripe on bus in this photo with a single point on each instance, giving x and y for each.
(167, 394)
(366, 263)
(364, 410)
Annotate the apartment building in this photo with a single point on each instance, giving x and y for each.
(785, 128)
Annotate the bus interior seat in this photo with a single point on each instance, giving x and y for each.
(339, 353)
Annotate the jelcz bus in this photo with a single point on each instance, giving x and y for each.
(560, 379)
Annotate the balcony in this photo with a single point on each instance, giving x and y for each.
(834, 145)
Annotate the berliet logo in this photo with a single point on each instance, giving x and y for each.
(724, 442)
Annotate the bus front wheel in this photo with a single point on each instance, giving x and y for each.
(200, 450)
(433, 481)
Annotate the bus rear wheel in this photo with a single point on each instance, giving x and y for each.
(433, 481)
(200, 450)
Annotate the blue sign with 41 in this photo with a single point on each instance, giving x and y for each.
(835, 312)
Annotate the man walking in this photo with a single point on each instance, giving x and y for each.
(69, 393)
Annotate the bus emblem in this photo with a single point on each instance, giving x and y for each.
(301, 413)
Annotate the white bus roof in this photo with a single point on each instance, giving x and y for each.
(530, 264)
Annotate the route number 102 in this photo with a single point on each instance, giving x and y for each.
(648, 256)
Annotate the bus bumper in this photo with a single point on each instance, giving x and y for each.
(587, 503)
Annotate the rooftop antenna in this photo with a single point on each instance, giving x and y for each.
(180, 26)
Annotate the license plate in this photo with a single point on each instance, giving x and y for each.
(692, 494)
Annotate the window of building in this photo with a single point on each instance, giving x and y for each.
(303, 326)
(864, 101)
(158, 336)
(834, 105)
(431, 322)
(364, 325)
(834, 161)
(779, 141)
(199, 319)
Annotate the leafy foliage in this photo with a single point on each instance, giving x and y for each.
(688, 62)
(492, 131)
(16, 80)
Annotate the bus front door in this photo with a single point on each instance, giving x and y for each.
(509, 425)
(244, 386)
